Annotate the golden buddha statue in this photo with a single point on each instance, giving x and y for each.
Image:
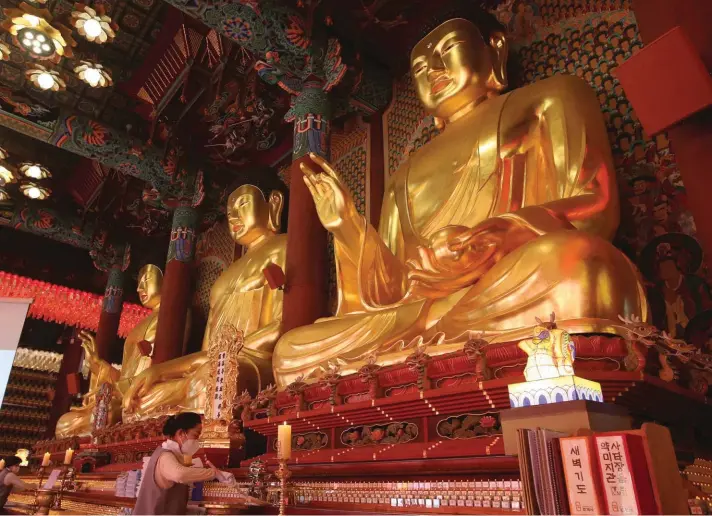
(135, 361)
(80, 420)
(240, 298)
(505, 216)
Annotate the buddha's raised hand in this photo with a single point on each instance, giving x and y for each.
(332, 199)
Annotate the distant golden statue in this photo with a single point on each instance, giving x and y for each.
(241, 300)
(505, 216)
(79, 421)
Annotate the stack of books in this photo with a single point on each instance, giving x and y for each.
(605, 473)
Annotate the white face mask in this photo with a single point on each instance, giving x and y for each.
(190, 447)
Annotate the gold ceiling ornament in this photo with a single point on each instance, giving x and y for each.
(6, 174)
(94, 74)
(4, 196)
(4, 52)
(3, 154)
(45, 79)
(35, 191)
(35, 171)
(93, 24)
(32, 31)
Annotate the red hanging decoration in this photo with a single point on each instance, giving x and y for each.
(63, 305)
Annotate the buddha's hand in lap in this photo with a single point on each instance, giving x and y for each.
(333, 202)
(140, 386)
(456, 256)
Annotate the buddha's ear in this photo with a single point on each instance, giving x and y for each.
(276, 203)
(500, 49)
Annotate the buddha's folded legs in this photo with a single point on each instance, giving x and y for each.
(583, 279)
(345, 341)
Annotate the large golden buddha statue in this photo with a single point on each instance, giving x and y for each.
(240, 298)
(79, 420)
(505, 216)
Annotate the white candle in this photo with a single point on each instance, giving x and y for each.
(68, 456)
(284, 441)
(45, 460)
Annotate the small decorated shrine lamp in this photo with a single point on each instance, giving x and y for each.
(284, 441)
(45, 459)
(68, 455)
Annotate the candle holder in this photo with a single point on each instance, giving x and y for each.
(67, 471)
(40, 478)
(283, 474)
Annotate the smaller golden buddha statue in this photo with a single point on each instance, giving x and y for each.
(80, 420)
(240, 300)
(136, 356)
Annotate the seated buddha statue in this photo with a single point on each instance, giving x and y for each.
(80, 420)
(135, 358)
(240, 298)
(506, 216)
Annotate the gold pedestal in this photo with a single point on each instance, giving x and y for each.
(568, 416)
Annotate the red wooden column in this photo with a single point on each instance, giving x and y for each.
(692, 138)
(176, 290)
(110, 312)
(305, 293)
(71, 363)
(376, 170)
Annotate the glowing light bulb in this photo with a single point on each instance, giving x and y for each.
(92, 76)
(27, 42)
(29, 35)
(93, 28)
(41, 38)
(45, 81)
(33, 192)
(46, 47)
(34, 172)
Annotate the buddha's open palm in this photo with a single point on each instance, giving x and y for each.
(332, 199)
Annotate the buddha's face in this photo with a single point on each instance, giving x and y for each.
(247, 214)
(453, 66)
(149, 286)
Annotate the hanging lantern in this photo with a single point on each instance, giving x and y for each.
(34, 191)
(93, 26)
(45, 79)
(34, 171)
(33, 32)
(94, 74)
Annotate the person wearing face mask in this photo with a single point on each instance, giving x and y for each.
(9, 480)
(165, 485)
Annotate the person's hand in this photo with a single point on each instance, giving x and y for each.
(332, 199)
(216, 471)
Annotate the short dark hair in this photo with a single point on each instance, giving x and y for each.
(183, 421)
(12, 461)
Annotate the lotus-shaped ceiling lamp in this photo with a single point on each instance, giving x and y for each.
(94, 74)
(4, 196)
(35, 191)
(92, 25)
(32, 31)
(4, 52)
(45, 79)
(34, 171)
(6, 174)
